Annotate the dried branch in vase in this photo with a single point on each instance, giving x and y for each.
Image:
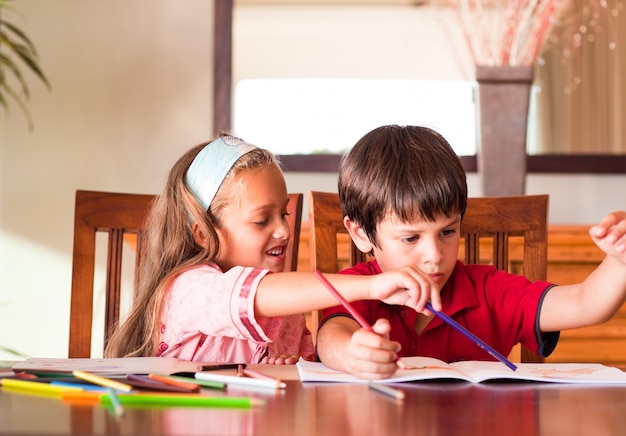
(514, 32)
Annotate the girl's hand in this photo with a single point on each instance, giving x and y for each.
(281, 359)
(610, 235)
(407, 286)
(371, 355)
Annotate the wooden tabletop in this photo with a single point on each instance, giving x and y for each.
(431, 408)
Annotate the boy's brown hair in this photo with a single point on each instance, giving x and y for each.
(410, 172)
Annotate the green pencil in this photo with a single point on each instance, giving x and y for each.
(183, 401)
(204, 383)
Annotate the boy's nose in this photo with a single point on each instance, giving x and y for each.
(432, 253)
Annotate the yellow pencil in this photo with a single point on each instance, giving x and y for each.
(102, 381)
(36, 387)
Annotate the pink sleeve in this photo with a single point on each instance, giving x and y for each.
(208, 301)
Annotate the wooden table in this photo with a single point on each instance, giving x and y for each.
(432, 408)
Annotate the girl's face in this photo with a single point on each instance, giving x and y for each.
(253, 230)
(432, 246)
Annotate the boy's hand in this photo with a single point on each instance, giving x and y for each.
(407, 286)
(610, 235)
(373, 356)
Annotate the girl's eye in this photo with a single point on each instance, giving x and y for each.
(410, 239)
(261, 223)
(285, 214)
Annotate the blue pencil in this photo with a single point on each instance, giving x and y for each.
(482, 344)
(118, 410)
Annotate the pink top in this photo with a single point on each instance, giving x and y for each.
(208, 315)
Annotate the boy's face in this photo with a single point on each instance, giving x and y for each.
(432, 246)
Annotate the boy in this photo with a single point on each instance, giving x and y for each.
(403, 193)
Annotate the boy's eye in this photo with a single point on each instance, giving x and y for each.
(449, 232)
(261, 223)
(410, 239)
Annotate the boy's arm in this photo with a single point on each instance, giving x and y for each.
(602, 293)
(343, 345)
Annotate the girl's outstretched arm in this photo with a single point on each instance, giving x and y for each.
(288, 293)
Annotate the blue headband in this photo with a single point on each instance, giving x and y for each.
(209, 168)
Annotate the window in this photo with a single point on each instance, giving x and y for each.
(305, 116)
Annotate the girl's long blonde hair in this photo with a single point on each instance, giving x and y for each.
(170, 248)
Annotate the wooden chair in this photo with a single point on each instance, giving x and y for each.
(121, 215)
(486, 230)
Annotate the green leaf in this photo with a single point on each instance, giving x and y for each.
(19, 51)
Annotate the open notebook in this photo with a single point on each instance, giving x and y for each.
(426, 368)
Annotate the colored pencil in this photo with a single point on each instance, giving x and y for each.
(261, 376)
(83, 386)
(241, 381)
(118, 410)
(192, 387)
(34, 387)
(204, 383)
(184, 401)
(472, 337)
(356, 315)
(102, 381)
(387, 390)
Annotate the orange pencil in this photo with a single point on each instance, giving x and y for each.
(175, 382)
(256, 374)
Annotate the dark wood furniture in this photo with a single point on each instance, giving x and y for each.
(117, 214)
(121, 215)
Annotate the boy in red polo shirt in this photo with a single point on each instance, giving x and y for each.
(403, 193)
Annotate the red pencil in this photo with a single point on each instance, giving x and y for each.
(356, 315)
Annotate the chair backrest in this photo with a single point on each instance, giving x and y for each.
(490, 223)
(120, 215)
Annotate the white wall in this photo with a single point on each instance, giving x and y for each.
(132, 89)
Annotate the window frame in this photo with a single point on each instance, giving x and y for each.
(222, 104)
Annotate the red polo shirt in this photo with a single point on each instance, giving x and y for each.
(500, 308)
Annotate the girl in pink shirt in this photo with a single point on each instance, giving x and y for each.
(211, 286)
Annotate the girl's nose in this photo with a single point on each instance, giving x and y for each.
(282, 230)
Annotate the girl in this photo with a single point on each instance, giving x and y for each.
(211, 286)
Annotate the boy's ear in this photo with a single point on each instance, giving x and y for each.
(358, 235)
(198, 236)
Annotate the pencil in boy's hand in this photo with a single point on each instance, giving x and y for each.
(356, 315)
(471, 336)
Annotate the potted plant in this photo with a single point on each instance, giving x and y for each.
(16, 52)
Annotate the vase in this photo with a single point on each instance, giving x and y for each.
(503, 100)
